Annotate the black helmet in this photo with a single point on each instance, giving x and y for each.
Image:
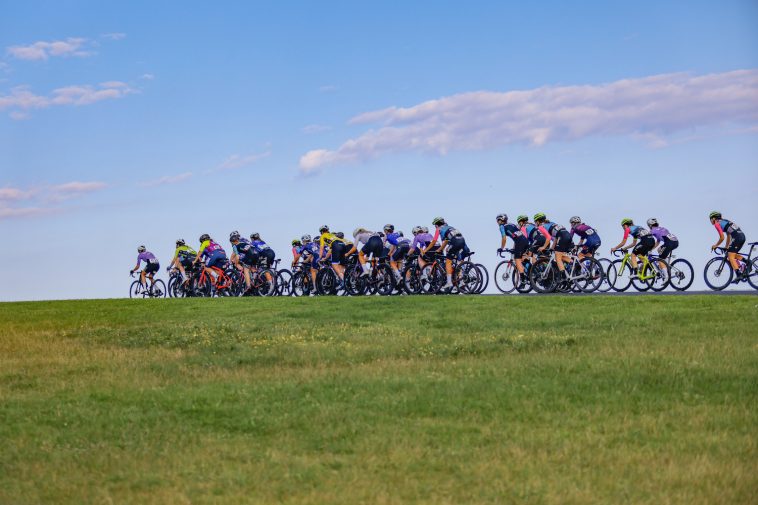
(339, 234)
(323, 228)
(204, 237)
(255, 236)
(389, 228)
(502, 217)
(141, 249)
(235, 235)
(180, 242)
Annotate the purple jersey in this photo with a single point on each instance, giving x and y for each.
(147, 257)
(583, 230)
(421, 240)
(659, 232)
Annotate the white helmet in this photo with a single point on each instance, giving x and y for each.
(652, 222)
(575, 220)
(416, 230)
(305, 238)
(424, 229)
(502, 217)
(358, 230)
(141, 249)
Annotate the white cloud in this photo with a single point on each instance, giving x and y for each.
(21, 99)
(42, 50)
(650, 108)
(328, 88)
(147, 77)
(114, 36)
(44, 199)
(316, 128)
(238, 161)
(168, 179)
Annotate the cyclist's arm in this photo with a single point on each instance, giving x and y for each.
(136, 267)
(623, 241)
(547, 236)
(721, 236)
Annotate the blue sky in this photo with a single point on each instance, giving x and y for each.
(141, 122)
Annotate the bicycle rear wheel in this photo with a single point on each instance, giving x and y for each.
(718, 273)
(605, 264)
(542, 277)
(682, 274)
(158, 289)
(593, 275)
(284, 283)
(485, 278)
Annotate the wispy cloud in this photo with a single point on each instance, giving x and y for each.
(168, 179)
(147, 77)
(328, 88)
(238, 161)
(21, 98)
(316, 128)
(42, 50)
(650, 108)
(43, 199)
(114, 36)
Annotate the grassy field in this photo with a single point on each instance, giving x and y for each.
(392, 400)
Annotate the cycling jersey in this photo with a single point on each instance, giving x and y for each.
(635, 231)
(534, 232)
(185, 252)
(510, 230)
(259, 245)
(552, 228)
(362, 238)
(147, 257)
(661, 234)
(421, 240)
(327, 239)
(726, 226)
(446, 232)
(245, 250)
(584, 231)
(209, 247)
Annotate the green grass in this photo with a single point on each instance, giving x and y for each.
(368, 400)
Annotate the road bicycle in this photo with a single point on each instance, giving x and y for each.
(584, 274)
(156, 290)
(681, 272)
(718, 272)
(507, 276)
(654, 275)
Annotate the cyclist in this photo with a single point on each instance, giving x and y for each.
(183, 256)
(735, 239)
(665, 240)
(213, 254)
(421, 239)
(267, 255)
(642, 244)
(399, 247)
(151, 266)
(308, 253)
(448, 236)
(244, 256)
(536, 235)
(337, 247)
(589, 240)
(520, 242)
(561, 240)
(367, 242)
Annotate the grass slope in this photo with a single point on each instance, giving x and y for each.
(392, 400)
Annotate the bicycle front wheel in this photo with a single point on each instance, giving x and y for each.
(752, 276)
(605, 286)
(682, 274)
(662, 275)
(718, 273)
(504, 278)
(136, 290)
(284, 283)
(620, 278)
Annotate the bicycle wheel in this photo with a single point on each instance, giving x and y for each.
(605, 264)
(485, 278)
(522, 282)
(542, 277)
(504, 276)
(135, 290)
(682, 274)
(301, 284)
(284, 282)
(326, 282)
(593, 275)
(662, 275)
(648, 272)
(158, 289)
(432, 278)
(467, 278)
(619, 278)
(383, 279)
(412, 279)
(266, 282)
(718, 273)
(752, 276)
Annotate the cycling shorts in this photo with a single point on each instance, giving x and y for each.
(401, 251)
(591, 245)
(373, 246)
(738, 240)
(457, 245)
(520, 245)
(267, 257)
(151, 268)
(338, 252)
(668, 246)
(645, 245)
(217, 259)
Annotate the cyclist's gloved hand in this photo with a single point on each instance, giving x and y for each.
(131, 272)
(499, 250)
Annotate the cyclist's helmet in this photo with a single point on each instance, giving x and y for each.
(575, 220)
(255, 236)
(522, 219)
(389, 228)
(626, 221)
(204, 237)
(296, 241)
(358, 230)
(180, 242)
(416, 230)
(502, 218)
(141, 249)
(540, 216)
(381, 234)
(233, 236)
(324, 228)
(339, 234)
(305, 238)
(424, 229)
(400, 234)
(438, 221)
(652, 222)
(714, 215)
